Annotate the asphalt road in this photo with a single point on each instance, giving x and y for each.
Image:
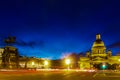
(58, 75)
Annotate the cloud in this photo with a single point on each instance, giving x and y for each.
(114, 45)
(31, 44)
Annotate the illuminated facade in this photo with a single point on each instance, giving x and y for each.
(99, 56)
(10, 57)
(1, 53)
(31, 62)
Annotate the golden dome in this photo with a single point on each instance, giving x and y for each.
(98, 43)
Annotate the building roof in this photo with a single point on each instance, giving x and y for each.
(11, 48)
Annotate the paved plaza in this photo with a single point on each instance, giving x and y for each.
(59, 75)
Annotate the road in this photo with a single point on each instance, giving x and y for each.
(58, 75)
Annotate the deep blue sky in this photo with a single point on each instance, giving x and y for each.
(52, 28)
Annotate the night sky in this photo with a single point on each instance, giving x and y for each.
(53, 28)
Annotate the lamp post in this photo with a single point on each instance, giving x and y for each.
(46, 64)
(67, 61)
(33, 64)
(119, 63)
(119, 60)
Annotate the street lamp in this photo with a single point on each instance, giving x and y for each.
(119, 60)
(67, 61)
(46, 63)
(33, 63)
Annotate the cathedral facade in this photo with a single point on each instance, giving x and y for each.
(99, 57)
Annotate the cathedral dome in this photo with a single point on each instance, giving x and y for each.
(98, 43)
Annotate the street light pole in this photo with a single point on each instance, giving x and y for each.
(67, 61)
(33, 64)
(46, 64)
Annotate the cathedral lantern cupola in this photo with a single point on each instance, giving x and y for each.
(98, 37)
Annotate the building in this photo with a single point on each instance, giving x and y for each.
(31, 62)
(1, 59)
(99, 57)
(10, 57)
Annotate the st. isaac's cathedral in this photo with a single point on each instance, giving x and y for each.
(99, 57)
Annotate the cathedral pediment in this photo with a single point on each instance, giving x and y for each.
(98, 59)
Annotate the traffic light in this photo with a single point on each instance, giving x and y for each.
(104, 66)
